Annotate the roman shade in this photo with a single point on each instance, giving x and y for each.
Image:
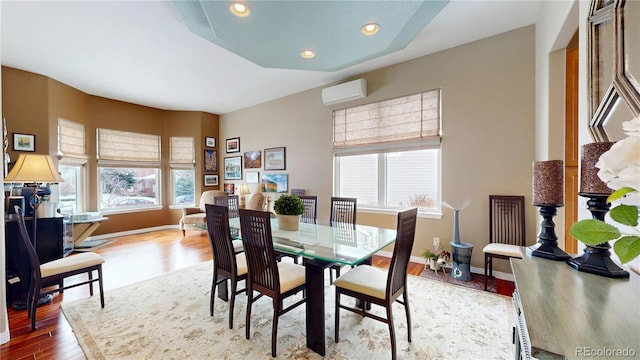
(123, 146)
(71, 139)
(182, 154)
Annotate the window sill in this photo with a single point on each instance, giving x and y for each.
(424, 215)
(130, 210)
(181, 206)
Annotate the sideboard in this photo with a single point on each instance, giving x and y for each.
(562, 313)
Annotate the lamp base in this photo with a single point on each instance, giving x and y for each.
(597, 262)
(547, 251)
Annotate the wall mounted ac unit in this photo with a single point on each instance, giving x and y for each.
(356, 89)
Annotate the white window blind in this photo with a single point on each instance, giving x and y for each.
(182, 151)
(407, 122)
(71, 138)
(123, 146)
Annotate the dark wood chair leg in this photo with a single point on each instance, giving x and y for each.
(392, 332)
(274, 327)
(408, 313)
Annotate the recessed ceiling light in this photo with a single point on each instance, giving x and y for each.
(370, 29)
(308, 54)
(239, 9)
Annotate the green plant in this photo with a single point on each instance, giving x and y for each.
(429, 255)
(288, 205)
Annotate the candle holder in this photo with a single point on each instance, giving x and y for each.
(597, 258)
(547, 246)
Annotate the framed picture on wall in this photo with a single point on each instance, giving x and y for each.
(229, 188)
(275, 158)
(253, 159)
(233, 145)
(275, 183)
(210, 180)
(211, 160)
(210, 142)
(24, 142)
(252, 177)
(233, 168)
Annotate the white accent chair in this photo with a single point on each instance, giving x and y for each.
(197, 215)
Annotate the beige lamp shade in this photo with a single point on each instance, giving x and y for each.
(34, 168)
(244, 189)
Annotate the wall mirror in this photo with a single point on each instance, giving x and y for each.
(614, 67)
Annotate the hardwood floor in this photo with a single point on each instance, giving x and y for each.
(129, 259)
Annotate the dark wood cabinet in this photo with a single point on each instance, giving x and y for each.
(49, 246)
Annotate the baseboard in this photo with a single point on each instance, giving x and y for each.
(132, 232)
(476, 270)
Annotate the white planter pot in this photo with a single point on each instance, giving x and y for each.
(288, 222)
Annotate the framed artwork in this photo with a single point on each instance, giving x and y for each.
(229, 188)
(233, 168)
(252, 177)
(253, 159)
(210, 180)
(233, 145)
(274, 183)
(211, 160)
(210, 141)
(275, 158)
(24, 142)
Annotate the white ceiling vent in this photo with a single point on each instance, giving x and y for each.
(356, 89)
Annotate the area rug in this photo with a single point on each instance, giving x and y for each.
(167, 317)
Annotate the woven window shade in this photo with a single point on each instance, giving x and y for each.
(182, 151)
(411, 121)
(126, 146)
(71, 138)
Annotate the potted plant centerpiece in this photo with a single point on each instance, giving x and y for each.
(288, 208)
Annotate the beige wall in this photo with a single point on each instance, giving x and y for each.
(488, 132)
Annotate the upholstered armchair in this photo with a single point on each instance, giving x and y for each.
(256, 202)
(197, 215)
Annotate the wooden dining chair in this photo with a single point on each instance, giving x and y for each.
(54, 272)
(277, 280)
(227, 264)
(310, 214)
(506, 231)
(343, 212)
(231, 202)
(380, 287)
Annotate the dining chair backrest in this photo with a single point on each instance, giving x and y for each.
(343, 210)
(257, 241)
(219, 235)
(34, 261)
(310, 214)
(231, 202)
(405, 236)
(506, 220)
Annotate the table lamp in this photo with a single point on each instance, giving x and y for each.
(242, 191)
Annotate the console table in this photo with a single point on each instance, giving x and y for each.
(564, 313)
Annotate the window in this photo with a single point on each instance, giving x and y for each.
(387, 154)
(73, 159)
(128, 170)
(182, 170)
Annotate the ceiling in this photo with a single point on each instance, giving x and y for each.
(143, 52)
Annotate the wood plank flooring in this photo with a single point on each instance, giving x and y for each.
(129, 259)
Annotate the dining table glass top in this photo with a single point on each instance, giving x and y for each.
(341, 243)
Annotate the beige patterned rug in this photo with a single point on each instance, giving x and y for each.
(168, 318)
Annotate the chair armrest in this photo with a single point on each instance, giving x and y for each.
(190, 210)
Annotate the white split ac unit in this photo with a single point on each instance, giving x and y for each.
(356, 89)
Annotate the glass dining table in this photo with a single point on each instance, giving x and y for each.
(322, 245)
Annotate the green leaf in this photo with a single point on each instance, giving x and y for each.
(625, 214)
(620, 193)
(594, 232)
(627, 248)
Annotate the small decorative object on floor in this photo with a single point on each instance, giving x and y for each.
(461, 266)
(548, 190)
(596, 258)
